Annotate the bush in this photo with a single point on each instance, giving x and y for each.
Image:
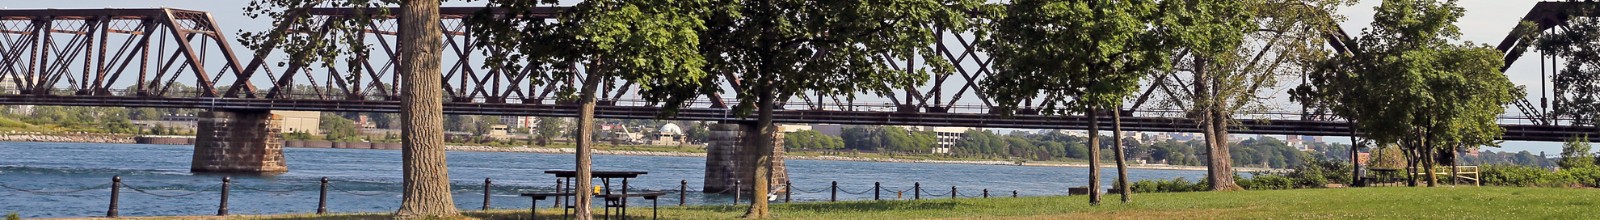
(1174, 185)
(1588, 176)
(1514, 175)
(13, 216)
(1266, 181)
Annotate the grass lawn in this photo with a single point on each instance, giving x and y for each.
(1356, 203)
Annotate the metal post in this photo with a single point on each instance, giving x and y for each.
(486, 184)
(916, 190)
(952, 192)
(787, 190)
(222, 210)
(985, 193)
(736, 191)
(322, 198)
(835, 192)
(683, 189)
(116, 185)
(877, 191)
(560, 188)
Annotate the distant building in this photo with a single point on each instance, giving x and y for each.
(835, 130)
(669, 134)
(527, 122)
(946, 137)
(497, 132)
(298, 121)
(793, 128)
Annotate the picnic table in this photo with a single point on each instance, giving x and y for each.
(612, 200)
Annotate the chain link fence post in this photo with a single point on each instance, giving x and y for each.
(222, 209)
(834, 197)
(116, 185)
(322, 198)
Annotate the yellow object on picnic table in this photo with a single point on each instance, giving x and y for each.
(596, 189)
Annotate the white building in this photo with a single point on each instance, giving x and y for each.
(527, 122)
(945, 137)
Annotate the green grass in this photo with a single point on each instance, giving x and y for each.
(1357, 203)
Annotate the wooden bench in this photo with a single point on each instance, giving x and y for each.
(618, 201)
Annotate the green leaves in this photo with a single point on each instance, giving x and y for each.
(1407, 82)
(1093, 52)
(654, 43)
(828, 48)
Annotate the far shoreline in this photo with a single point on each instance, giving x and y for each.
(126, 139)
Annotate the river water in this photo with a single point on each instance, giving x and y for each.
(44, 179)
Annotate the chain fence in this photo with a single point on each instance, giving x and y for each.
(46, 192)
(148, 191)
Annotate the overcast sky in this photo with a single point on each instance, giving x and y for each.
(1486, 22)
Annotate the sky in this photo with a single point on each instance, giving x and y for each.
(1485, 22)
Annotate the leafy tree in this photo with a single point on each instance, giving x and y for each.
(1091, 52)
(549, 128)
(775, 49)
(652, 43)
(1579, 44)
(1410, 85)
(1575, 154)
(1236, 50)
(337, 128)
(696, 132)
(426, 182)
(812, 140)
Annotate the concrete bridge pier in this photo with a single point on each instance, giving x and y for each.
(730, 154)
(238, 141)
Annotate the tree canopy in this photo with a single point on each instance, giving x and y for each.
(1408, 83)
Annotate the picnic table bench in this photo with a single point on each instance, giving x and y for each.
(618, 201)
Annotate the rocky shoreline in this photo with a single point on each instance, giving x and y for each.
(73, 138)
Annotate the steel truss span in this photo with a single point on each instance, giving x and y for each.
(163, 58)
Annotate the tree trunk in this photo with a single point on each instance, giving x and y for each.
(1222, 179)
(1355, 163)
(1094, 155)
(1122, 158)
(583, 185)
(1219, 167)
(426, 177)
(1455, 172)
(1411, 165)
(1427, 164)
(764, 148)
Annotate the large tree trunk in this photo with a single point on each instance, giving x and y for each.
(426, 177)
(1221, 159)
(1094, 155)
(582, 185)
(1219, 167)
(763, 154)
(1122, 156)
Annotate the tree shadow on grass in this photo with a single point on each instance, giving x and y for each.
(873, 206)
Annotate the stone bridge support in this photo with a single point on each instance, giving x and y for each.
(729, 154)
(235, 141)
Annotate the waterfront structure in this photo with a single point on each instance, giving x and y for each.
(232, 83)
(300, 121)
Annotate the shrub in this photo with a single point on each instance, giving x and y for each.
(1514, 175)
(1174, 185)
(1588, 176)
(13, 216)
(1265, 181)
